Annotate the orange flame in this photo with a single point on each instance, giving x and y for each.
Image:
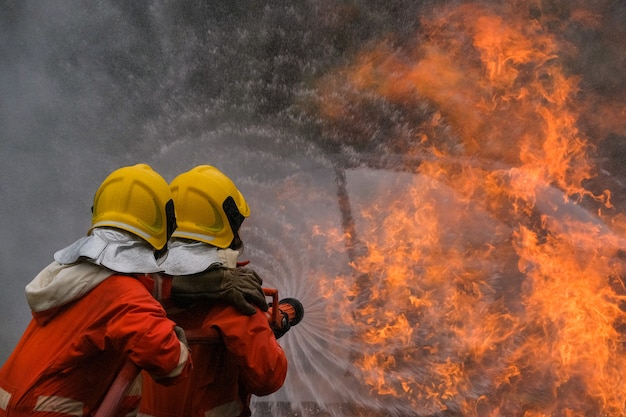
(489, 290)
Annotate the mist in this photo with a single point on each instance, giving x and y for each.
(86, 88)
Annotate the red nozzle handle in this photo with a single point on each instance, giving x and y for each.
(274, 313)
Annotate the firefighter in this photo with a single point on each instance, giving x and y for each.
(92, 308)
(247, 360)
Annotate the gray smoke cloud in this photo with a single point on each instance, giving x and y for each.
(87, 87)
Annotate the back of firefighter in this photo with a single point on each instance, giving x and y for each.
(240, 356)
(92, 309)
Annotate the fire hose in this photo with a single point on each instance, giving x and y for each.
(289, 313)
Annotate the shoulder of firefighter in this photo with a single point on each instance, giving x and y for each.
(68, 344)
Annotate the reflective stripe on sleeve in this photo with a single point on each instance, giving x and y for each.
(182, 361)
(54, 404)
(5, 397)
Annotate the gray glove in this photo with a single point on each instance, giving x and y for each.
(239, 287)
(180, 334)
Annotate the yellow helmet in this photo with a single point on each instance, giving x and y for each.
(138, 200)
(209, 207)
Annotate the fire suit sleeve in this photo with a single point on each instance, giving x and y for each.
(261, 360)
(139, 327)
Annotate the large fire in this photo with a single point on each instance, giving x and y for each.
(486, 287)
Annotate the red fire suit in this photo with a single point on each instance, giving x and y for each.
(70, 353)
(246, 361)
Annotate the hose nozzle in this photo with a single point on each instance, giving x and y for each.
(289, 312)
(292, 309)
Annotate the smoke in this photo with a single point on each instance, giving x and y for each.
(88, 87)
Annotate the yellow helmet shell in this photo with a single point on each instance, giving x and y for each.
(136, 199)
(209, 207)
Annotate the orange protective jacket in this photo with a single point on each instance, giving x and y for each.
(245, 360)
(70, 353)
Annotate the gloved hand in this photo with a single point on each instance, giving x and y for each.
(239, 287)
(280, 331)
(180, 334)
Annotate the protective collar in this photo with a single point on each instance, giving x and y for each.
(114, 249)
(57, 285)
(186, 257)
